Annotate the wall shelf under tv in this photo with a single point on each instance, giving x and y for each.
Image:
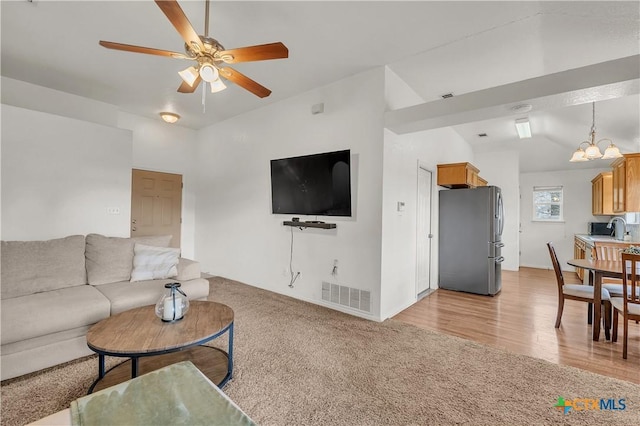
(299, 224)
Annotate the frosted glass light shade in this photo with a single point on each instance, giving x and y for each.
(612, 151)
(189, 75)
(578, 156)
(208, 73)
(592, 152)
(169, 117)
(217, 86)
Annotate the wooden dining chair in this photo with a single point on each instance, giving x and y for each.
(610, 250)
(582, 293)
(629, 304)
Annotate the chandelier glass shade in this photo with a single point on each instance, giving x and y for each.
(592, 151)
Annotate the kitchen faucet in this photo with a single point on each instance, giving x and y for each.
(620, 229)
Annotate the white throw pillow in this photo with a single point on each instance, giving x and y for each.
(154, 263)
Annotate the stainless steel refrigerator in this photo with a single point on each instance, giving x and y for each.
(470, 240)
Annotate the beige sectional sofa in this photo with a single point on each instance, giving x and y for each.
(53, 291)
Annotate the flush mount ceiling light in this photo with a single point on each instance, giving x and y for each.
(592, 151)
(169, 117)
(523, 128)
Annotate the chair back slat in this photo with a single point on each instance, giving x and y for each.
(609, 250)
(630, 279)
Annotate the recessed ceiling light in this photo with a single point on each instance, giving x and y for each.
(169, 117)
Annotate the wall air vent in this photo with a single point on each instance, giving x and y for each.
(482, 135)
(346, 296)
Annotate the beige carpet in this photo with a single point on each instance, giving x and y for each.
(301, 364)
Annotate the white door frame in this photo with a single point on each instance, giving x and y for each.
(426, 169)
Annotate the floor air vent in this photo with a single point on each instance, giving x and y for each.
(346, 296)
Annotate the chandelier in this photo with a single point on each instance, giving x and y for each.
(592, 152)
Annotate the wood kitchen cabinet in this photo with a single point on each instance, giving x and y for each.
(626, 183)
(602, 194)
(459, 175)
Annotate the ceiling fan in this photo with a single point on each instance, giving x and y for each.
(209, 54)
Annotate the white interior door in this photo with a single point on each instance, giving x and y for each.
(424, 237)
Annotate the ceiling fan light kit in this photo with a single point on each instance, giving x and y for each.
(592, 151)
(208, 53)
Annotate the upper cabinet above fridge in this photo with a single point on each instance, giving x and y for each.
(459, 175)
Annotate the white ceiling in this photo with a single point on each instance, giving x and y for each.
(435, 47)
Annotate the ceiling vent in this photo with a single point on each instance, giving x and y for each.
(447, 95)
(482, 135)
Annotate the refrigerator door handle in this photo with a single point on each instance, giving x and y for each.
(500, 259)
(500, 213)
(499, 244)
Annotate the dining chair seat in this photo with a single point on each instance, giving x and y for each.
(584, 291)
(615, 290)
(618, 303)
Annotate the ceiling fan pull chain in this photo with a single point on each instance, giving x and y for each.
(204, 97)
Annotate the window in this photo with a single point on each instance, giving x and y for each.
(547, 203)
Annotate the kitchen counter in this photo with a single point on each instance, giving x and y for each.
(590, 239)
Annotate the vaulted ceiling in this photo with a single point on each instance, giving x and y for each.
(435, 47)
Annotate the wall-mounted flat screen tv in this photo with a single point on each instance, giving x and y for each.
(318, 184)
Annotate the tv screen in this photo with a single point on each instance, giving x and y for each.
(318, 184)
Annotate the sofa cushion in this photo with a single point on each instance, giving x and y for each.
(34, 266)
(188, 269)
(152, 263)
(39, 314)
(127, 295)
(109, 259)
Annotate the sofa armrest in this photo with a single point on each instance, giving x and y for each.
(188, 269)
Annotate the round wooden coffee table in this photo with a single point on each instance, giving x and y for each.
(151, 344)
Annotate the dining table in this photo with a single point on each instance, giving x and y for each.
(597, 270)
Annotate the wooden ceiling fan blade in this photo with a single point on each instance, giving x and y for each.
(245, 82)
(254, 53)
(185, 88)
(176, 16)
(141, 49)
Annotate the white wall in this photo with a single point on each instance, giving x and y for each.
(163, 147)
(59, 176)
(37, 98)
(503, 169)
(402, 154)
(151, 145)
(577, 213)
(239, 238)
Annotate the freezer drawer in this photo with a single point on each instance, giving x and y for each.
(495, 274)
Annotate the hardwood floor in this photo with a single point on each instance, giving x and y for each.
(521, 319)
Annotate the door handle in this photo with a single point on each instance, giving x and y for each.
(500, 259)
